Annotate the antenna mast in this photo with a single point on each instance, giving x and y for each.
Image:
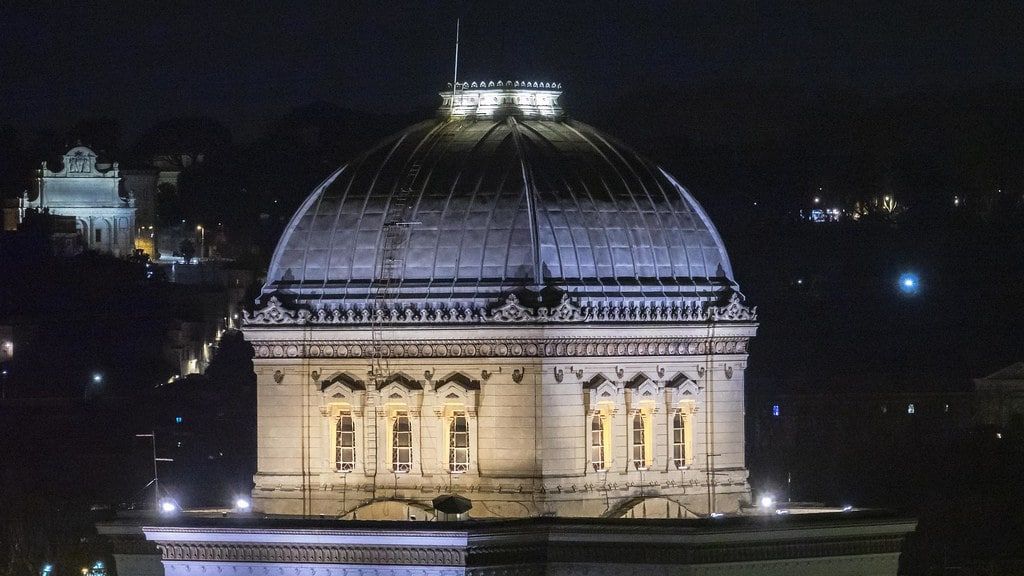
(455, 74)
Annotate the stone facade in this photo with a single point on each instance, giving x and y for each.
(506, 304)
(530, 394)
(82, 190)
(1000, 398)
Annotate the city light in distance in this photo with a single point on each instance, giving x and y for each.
(97, 377)
(909, 283)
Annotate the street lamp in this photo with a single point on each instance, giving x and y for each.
(168, 506)
(161, 504)
(202, 240)
(242, 504)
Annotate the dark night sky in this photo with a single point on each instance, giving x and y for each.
(141, 62)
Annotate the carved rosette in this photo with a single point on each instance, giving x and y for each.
(502, 348)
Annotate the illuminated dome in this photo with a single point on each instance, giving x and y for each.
(498, 194)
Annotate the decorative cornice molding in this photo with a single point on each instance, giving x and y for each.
(511, 310)
(491, 548)
(502, 348)
(484, 84)
(307, 554)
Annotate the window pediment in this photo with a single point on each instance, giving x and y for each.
(343, 388)
(400, 379)
(596, 381)
(457, 388)
(678, 380)
(459, 379)
(638, 380)
(340, 382)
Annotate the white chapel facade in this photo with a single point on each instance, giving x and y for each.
(505, 304)
(92, 195)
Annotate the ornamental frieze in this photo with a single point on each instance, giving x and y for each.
(539, 348)
(325, 554)
(509, 311)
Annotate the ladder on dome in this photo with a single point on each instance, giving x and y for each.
(395, 236)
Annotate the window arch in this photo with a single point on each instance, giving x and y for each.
(401, 442)
(458, 443)
(345, 443)
(597, 444)
(679, 439)
(639, 437)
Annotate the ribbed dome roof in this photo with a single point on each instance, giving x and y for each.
(480, 207)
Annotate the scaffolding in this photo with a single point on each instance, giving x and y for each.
(395, 236)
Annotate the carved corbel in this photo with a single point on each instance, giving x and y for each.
(577, 373)
(485, 375)
(278, 376)
(517, 375)
(661, 371)
(620, 372)
(701, 371)
(559, 374)
(428, 375)
(315, 376)
(728, 372)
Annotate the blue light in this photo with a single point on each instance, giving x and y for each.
(775, 410)
(909, 283)
(178, 419)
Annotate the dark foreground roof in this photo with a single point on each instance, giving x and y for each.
(802, 543)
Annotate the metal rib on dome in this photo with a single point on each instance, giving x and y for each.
(491, 198)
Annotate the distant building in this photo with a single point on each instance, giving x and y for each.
(868, 435)
(1001, 398)
(92, 195)
(140, 184)
(10, 209)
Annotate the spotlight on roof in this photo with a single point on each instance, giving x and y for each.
(242, 504)
(168, 506)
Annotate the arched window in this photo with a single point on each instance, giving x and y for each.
(597, 447)
(679, 439)
(458, 443)
(345, 443)
(401, 442)
(639, 442)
